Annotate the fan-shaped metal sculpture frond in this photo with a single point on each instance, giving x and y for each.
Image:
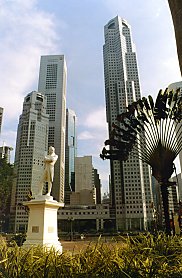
(152, 132)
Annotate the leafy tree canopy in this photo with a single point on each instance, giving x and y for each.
(6, 180)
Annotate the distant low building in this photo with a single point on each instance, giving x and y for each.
(5, 152)
(84, 218)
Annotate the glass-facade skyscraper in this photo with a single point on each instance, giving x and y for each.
(130, 190)
(70, 153)
(52, 83)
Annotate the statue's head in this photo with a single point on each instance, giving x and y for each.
(51, 150)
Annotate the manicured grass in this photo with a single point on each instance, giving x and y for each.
(141, 256)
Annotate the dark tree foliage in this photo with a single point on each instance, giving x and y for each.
(6, 181)
(152, 132)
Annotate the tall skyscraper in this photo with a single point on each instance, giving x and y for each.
(1, 117)
(131, 193)
(52, 83)
(31, 147)
(70, 153)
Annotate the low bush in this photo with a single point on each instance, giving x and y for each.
(141, 256)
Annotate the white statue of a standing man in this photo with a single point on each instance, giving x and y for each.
(48, 175)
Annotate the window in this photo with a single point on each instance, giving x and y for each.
(51, 77)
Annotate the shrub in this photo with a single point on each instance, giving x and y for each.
(140, 256)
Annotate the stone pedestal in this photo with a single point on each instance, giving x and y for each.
(42, 223)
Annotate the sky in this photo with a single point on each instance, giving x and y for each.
(75, 28)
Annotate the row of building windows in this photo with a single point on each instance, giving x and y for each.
(82, 213)
(51, 77)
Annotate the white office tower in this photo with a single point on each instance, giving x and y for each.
(70, 154)
(85, 189)
(52, 83)
(130, 189)
(31, 147)
(1, 117)
(175, 86)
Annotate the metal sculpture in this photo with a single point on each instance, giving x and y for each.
(152, 132)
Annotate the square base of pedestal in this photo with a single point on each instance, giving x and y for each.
(46, 245)
(42, 223)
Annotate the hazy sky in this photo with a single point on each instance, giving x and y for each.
(31, 28)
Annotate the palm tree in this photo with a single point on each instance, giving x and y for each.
(152, 132)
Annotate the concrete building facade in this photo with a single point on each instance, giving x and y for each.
(31, 147)
(175, 86)
(87, 186)
(130, 187)
(5, 152)
(83, 218)
(52, 83)
(176, 12)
